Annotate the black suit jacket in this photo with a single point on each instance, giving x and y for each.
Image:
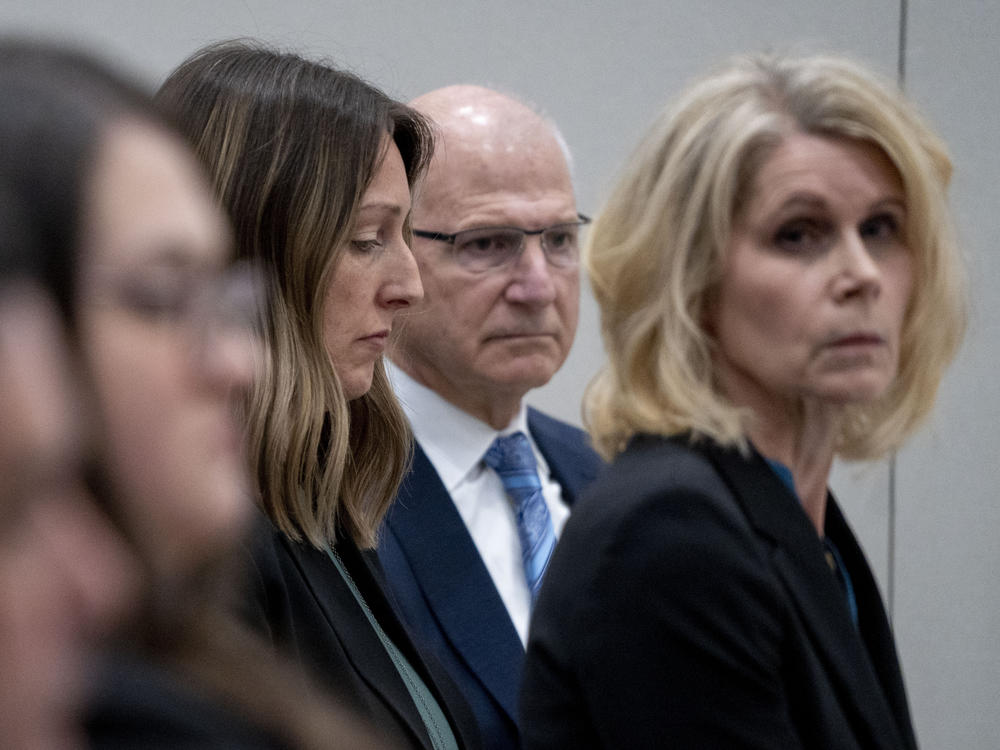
(446, 593)
(299, 600)
(139, 704)
(689, 604)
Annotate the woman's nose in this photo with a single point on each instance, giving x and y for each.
(404, 286)
(232, 358)
(859, 273)
(227, 328)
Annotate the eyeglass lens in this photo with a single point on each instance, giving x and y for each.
(483, 249)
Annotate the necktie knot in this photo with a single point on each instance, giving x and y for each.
(514, 461)
(511, 457)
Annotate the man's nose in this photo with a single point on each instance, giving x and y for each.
(532, 282)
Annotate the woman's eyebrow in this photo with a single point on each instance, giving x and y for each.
(803, 200)
(394, 208)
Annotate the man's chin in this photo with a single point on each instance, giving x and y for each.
(538, 355)
(524, 376)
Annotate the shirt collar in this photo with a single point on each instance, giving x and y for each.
(453, 440)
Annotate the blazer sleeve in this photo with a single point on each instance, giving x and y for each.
(658, 625)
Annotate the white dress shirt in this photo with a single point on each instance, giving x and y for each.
(455, 443)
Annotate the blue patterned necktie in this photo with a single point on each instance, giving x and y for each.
(512, 458)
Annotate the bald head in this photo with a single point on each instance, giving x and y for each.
(478, 115)
(484, 338)
(484, 135)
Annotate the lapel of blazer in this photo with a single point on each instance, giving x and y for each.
(361, 645)
(799, 559)
(873, 621)
(571, 460)
(455, 582)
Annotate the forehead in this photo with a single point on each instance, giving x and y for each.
(149, 201)
(833, 167)
(389, 188)
(518, 178)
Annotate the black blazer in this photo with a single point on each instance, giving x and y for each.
(445, 592)
(139, 704)
(299, 600)
(689, 604)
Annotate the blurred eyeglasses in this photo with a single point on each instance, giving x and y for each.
(227, 301)
(491, 248)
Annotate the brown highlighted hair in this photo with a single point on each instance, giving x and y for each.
(291, 145)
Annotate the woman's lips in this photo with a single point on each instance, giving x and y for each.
(858, 339)
(856, 347)
(376, 340)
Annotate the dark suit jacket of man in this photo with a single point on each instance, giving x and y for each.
(689, 604)
(445, 592)
(299, 600)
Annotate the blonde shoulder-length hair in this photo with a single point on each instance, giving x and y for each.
(656, 251)
(291, 146)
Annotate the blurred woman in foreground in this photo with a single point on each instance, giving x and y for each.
(779, 285)
(162, 325)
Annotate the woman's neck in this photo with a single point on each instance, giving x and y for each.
(803, 439)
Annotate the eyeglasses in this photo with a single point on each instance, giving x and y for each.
(230, 300)
(491, 248)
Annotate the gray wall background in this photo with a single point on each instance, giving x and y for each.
(928, 519)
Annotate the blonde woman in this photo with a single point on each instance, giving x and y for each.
(315, 167)
(779, 285)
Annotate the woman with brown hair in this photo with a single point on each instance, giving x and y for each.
(315, 168)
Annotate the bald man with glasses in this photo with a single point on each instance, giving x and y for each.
(497, 239)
